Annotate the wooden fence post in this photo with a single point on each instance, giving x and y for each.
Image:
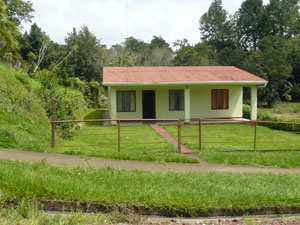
(53, 126)
(179, 135)
(119, 137)
(255, 127)
(200, 135)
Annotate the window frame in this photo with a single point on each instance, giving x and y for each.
(214, 101)
(181, 90)
(122, 91)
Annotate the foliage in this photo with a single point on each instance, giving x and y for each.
(19, 10)
(8, 32)
(292, 90)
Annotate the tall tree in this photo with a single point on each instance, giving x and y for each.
(284, 17)
(215, 25)
(19, 10)
(85, 62)
(252, 23)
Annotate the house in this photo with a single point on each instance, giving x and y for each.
(179, 92)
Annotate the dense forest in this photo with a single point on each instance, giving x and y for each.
(261, 39)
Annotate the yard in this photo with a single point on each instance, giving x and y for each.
(160, 152)
(228, 139)
(232, 144)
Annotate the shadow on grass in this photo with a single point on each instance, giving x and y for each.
(95, 114)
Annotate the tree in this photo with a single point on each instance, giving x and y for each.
(252, 23)
(215, 25)
(284, 15)
(270, 62)
(294, 59)
(8, 32)
(135, 45)
(159, 42)
(85, 63)
(202, 54)
(19, 10)
(120, 56)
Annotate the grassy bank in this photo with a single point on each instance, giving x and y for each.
(212, 152)
(172, 191)
(24, 123)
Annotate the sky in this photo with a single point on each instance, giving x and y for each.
(114, 20)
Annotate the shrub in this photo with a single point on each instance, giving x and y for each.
(66, 100)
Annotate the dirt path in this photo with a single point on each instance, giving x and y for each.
(72, 160)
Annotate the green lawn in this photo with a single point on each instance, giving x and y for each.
(214, 152)
(183, 192)
(162, 152)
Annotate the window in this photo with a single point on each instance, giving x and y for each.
(176, 100)
(219, 98)
(126, 101)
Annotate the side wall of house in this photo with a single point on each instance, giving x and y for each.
(200, 102)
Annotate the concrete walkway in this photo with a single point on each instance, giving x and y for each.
(72, 160)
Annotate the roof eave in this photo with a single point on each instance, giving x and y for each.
(244, 83)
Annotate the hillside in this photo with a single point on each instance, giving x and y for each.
(24, 123)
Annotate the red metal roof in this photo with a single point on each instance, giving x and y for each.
(113, 75)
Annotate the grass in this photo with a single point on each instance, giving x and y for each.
(214, 152)
(186, 192)
(163, 152)
(285, 109)
(26, 212)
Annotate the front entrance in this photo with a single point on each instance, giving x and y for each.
(149, 104)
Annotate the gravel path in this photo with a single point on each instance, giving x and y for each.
(73, 160)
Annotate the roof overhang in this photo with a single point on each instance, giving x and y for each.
(241, 83)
